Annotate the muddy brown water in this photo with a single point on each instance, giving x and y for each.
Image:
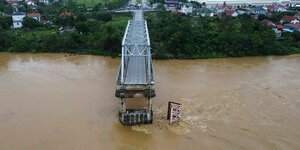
(62, 102)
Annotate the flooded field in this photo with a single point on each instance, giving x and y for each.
(62, 102)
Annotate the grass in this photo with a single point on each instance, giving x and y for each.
(139, 1)
(91, 3)
(122, 17)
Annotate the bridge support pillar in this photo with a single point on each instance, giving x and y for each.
(122, 105)
(149, 104)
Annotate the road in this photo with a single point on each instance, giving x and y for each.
(136, 71)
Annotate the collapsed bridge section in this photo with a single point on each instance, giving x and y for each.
(135, 76)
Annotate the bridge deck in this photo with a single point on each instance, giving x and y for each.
(136, 41)
(136, 71)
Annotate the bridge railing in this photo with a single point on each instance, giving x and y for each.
(123, 54)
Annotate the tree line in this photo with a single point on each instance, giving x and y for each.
(98, 30)
(178, 36)
(172, 35)
(100, 36)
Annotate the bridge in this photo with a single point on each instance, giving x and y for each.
(135, 76)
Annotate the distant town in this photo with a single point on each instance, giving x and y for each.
(257, 9)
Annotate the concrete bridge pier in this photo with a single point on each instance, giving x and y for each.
(135, 116)
(122, 105)
(149, 104)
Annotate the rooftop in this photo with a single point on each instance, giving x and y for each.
(296, 26)
(65, 14)
(33, 14)
(288, 18)
(229, 12)
(18, 13)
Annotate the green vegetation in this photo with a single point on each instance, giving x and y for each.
(5, 23)
(99, 32)
(93, 36)
(106, 3)
(276, 17)
(30, 23)
(177, 36)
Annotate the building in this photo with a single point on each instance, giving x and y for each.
(18, 19)
(241, 11)
(258, 11)
(280, 9)
(44, 1)
(171, 5)
(231, 13)
(15, 7)
(187, 9)
(270, 8)
(36, 16)
(291, 27)
(289, 19)
(205, 12)
(269, 23)
(66, 14)
(239, 2)
(30, 3)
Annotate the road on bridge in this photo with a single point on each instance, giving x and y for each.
(136, 66)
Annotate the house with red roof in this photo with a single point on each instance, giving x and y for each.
(36, 16)
(268, 23)
(291, 27)
(279, 27)
(297, 15)
(289, 19)
(270, 8)
(66, 14)
(231, 13)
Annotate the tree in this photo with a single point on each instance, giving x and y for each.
(98, 7)
(66, 21)
(104, 16)
(4, 7)
(262, 17)
(82, 27)
(224, 3)
(30, 23)
(5, 22)
(161, 7)
(81, 17)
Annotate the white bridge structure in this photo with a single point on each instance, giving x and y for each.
(135, 77)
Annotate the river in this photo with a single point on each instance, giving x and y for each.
(63, 102)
